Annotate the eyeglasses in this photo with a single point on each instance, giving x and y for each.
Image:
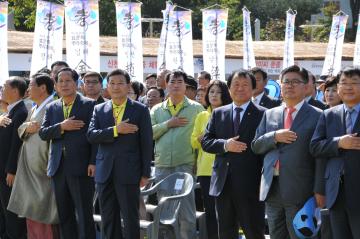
(352, 84)
(92, 82)
(292, 82)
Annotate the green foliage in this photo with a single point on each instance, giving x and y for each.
(274, 30)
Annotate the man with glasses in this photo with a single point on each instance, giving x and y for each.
(92, 86)
(337, 138)
(289, 175)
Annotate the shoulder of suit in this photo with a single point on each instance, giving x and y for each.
(52, 103)
(315, 109)
(334, 110)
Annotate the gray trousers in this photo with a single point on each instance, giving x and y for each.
(187, 212)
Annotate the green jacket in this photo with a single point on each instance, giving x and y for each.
(172, 145)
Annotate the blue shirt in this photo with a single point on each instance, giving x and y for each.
(354, 115)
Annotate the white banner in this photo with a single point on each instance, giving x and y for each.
(288, 59)
(82, 35)
(357, 46)
(179, 48)
(161, 61)
(48, 36)
(214, 37)
(4, 65)
(129, 36)
(248, 50)
(332, 63)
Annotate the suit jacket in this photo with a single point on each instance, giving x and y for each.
(72, 146)
(298, 167)
(10, 141)
(245, 167)
(324, 143)
(317, 104)
(128, 155)
(269, 102)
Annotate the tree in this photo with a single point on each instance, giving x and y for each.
(355, 10)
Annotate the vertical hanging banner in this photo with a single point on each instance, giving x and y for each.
(214, 37)
(4, 65)
(357, 46)
(179, 48)
(332, 63)
(82, 35)
(129, 36)
(248, 50)
(161, 60)
(288, 59)
(48, 37)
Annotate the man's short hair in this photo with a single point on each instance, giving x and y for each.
(74, 74)
(255, 70)
(18, 83)
(44, 71)
(191, 82)
(175, 74)
(302, 72)
(350, 71)
(206, 74)
(119, 72)
(59, 63)
(242, 73)
(93, 74)
(44, 79)
(153, 75)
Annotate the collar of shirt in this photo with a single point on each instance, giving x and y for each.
(170, 103)
(356, 108)
(297, 107)
(121, 106)
(11, 106)
(257, 99)
(38, 108)
(243, 107)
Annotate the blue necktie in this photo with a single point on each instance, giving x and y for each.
(348, 121)
(236, 122)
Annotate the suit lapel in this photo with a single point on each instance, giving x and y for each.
(109, 115)
(281, 116)
(247, 118)
(342, 119)
(59, 112)
(301, 116)
(76, 106)
(356, 128)
(128, 109)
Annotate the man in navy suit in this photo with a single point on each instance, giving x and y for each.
(122, 128)
(337, 138)
(235, 180)
(10, 143)
(260, 96)
(72, 158)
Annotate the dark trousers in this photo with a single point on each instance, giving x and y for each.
(209, 205)
(280, 215)
(234, 210)
(15, 227)
(74, 194)
(345, 223)
(119, 201)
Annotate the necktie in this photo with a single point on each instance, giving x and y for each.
(236, 122)
(348, 120)
(287, 125)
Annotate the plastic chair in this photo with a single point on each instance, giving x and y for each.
(174, 187)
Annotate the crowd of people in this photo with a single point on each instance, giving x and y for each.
(253, 155)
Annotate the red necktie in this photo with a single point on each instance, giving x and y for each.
(287, 125)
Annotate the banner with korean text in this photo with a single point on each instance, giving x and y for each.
(82, 35)
(332, 63)
(248, 50)
(357, 46)
(129, 36)
(4, 65)
(161, 60)
(288, 59)
(179, 48)
(214, 37)
(48, 36)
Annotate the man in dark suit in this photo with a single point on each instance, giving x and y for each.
(337, 138)
(93, 85)
(289, 175)
(72, 158)
(122, 128)
(311, 93)
(235, 180)
(13, 92)
(260, 96)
